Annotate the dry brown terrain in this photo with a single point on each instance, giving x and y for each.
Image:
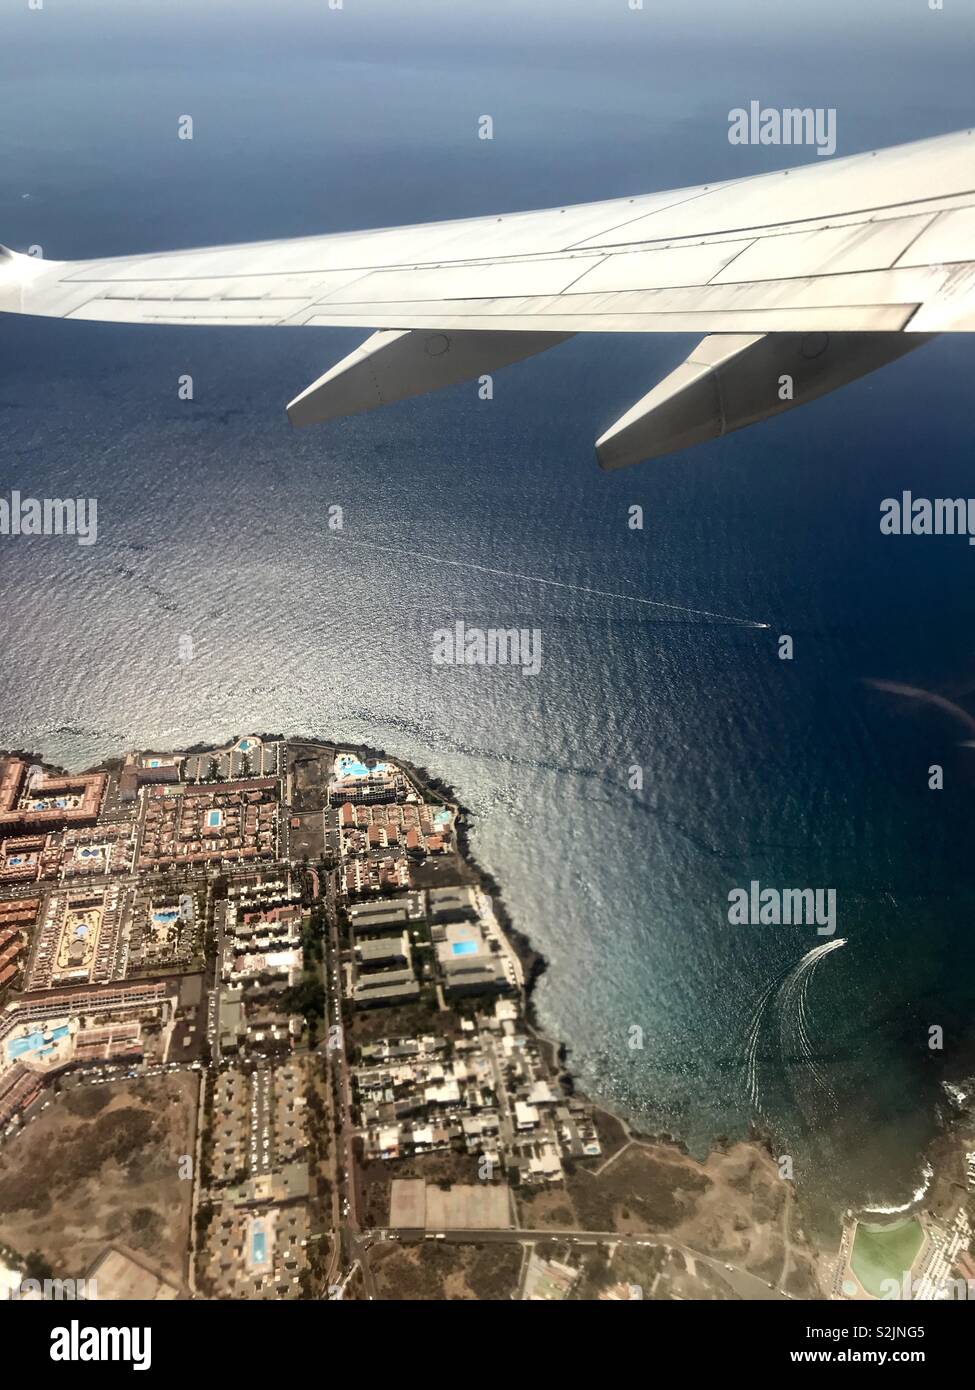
(403, 1021)
(734, 1207)
(101, 1165)
(442, 1270)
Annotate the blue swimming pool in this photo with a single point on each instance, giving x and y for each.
(34, 1042)
(258, 1247)
(355, 769)
(463, 948)
(214, 818)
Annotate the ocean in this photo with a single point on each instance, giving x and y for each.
(213, 525)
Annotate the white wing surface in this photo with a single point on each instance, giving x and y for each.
(881, 243)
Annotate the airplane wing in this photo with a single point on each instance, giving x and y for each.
(816, 275)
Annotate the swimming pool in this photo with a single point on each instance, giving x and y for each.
(258, 1247)
(169, 915)
(464, 948)
(35, 1042)
(352, 767)
(214, 818)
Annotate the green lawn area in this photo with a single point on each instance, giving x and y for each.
(884, 1251)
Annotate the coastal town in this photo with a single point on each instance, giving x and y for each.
(266, 1032)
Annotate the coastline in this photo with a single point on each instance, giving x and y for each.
(619, 1128)
(534, 963)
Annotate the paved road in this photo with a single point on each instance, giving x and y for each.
(350, 1246)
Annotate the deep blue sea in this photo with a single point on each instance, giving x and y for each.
(213, 524)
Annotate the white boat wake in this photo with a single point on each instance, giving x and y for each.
(792, 989)
(795, 992)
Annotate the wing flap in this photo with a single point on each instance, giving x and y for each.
(832, 251)
(950, 237)
(488, 280)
